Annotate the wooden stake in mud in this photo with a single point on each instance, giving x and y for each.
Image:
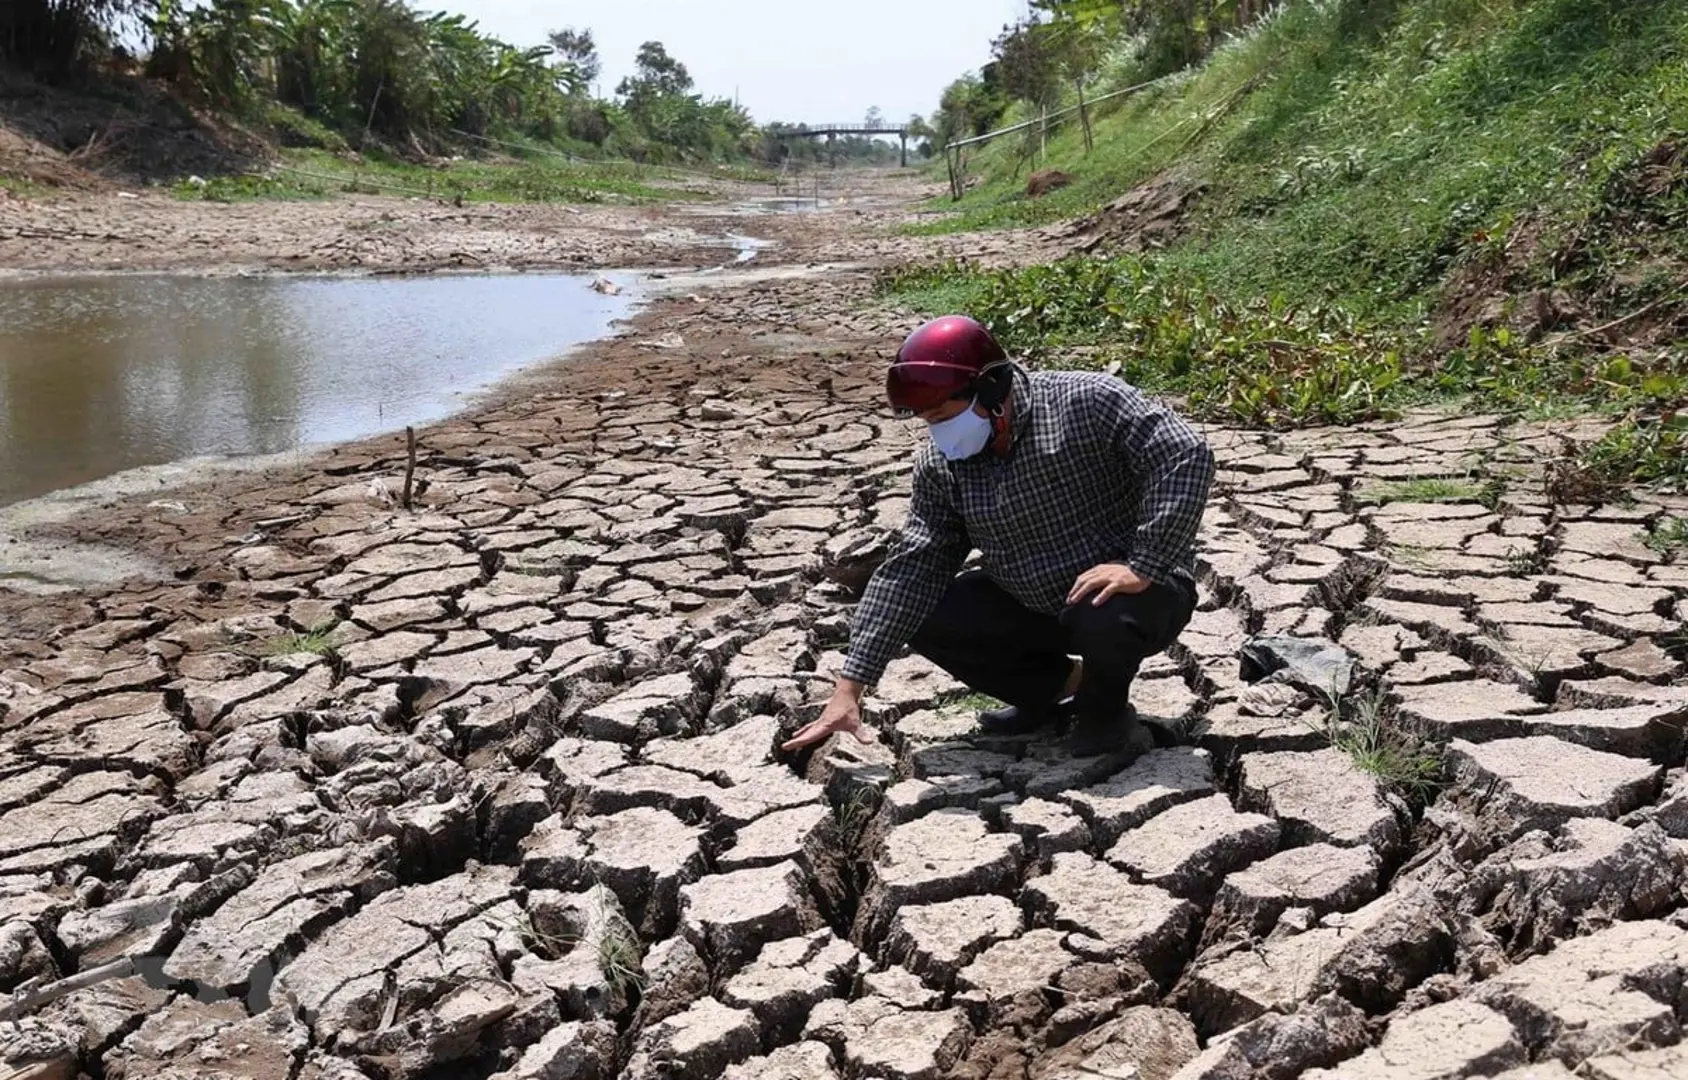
(409, 464)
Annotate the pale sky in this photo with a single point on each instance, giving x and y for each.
(788, 59)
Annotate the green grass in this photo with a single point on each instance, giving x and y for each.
(26, 189)
(317, 641)
(1669, 536)
(1360, 727)
(969, 703)
(306, 173)
(1267, 362)
(1386, 144)
(1432, 490)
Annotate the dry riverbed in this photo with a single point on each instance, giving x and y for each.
(491, 786)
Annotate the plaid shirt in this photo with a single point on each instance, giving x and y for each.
(1096, 473)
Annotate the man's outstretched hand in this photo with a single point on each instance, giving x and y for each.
(842, 713)
(1106, 581)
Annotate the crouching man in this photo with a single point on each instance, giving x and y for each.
(1083, 498)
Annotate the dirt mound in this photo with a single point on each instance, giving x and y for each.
(112, 127)
(1044, 181)
(1618, 279)
(1150, 215)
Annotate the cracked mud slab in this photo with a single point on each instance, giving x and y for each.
(526, 816)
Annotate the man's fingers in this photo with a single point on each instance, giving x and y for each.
(808, 733)
(1080, 587)
(1104, 593)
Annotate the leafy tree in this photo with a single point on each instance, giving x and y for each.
(1029, 62)
(578, 52)
(656, 75)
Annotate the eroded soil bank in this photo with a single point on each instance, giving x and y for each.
(491, 787)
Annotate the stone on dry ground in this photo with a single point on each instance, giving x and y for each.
(541, 764)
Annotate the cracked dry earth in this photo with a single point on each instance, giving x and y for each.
(491, 788)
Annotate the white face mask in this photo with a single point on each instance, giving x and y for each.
(962, 435)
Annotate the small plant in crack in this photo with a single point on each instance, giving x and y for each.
(1669, 537)
(1522, 562)
(317, 641)
(969, 703)
(852, 815)
(618, 954)
(1429, 489)
(1361, 726)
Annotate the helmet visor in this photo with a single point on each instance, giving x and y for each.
(915, 388)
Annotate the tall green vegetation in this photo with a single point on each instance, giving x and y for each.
(1361, 203)
(383, 70)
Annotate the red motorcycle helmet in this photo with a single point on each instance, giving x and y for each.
(948, 358)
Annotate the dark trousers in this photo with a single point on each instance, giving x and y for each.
(997, 646)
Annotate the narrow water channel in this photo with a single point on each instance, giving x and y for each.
(103, 374)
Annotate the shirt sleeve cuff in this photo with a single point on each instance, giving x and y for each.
(862, 671)
(1153, 567)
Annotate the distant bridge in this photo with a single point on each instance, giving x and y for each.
(832, 131)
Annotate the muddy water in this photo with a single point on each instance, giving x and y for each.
(100, 375)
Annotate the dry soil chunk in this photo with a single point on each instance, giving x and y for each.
(1280, 1046)
(1586, 876)
(1008, 969)
(1047, 827)
(1444, 1042)
(1320, 797)
(1371, 956)
(644, 854)
(729, 916)
(1541, 782)
(798, 833)
(697, 1044)
(1667, 1063)
(666, 705)
(1617, 987)
(1143, 1042)
(936, 940)
(1320, 877)
(237, 943)
(800, 1061)
(790, 977)
(1138, 922)
(1187, 849)
(878, 1039)
(944, 855)
(1156, 781)
(573, 1051)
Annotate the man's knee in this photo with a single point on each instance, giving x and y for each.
(1127, 626)
(1100, 633)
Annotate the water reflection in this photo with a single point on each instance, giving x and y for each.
(99, 375)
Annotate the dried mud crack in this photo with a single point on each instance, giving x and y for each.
(491, 787)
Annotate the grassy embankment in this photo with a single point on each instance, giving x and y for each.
(1395, 201)
(519, 174)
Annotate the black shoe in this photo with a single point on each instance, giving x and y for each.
(1098, 733)
(1012, 720)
